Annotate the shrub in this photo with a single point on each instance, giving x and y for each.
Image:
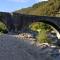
(42, 37)
(3, 28)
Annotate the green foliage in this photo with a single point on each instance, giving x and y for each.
(42, 29)
(3, 28)
(42, 37)
(34, 26)
(45, 8)
(39, 4)
(39, 25)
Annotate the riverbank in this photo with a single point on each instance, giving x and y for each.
(12, 48)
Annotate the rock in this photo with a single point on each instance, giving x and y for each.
(26, 36)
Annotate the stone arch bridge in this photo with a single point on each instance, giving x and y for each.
(13, 20)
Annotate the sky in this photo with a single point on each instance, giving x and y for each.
(13, 5)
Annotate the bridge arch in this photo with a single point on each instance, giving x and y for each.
(6, 19)
(51, 24)
(55, 27)
(44, 21)
(9, 26)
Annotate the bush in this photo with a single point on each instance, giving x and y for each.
(39, 25)
(42, 37)
(3, 28)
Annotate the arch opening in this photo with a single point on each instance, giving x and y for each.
(53, 29)
(51, 24)
(46, 22)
